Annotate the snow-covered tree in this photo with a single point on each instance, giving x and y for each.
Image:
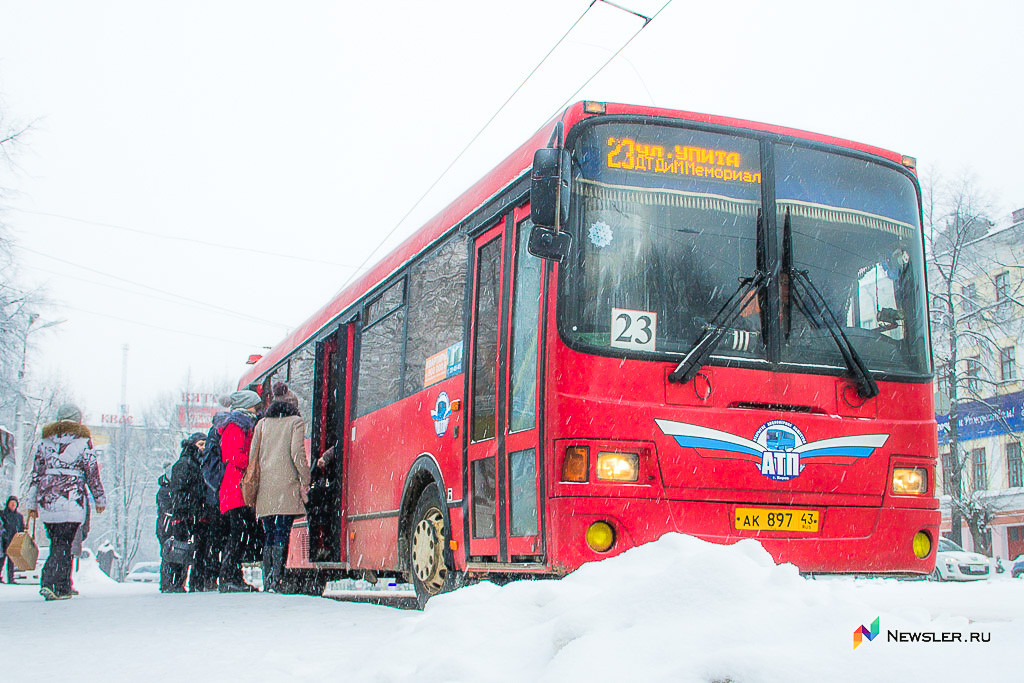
(975, 288)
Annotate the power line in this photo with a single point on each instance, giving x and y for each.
(202, 307)
(155, 289)
(616, 54)
(179, 238)
(164, 329)
(464, 149)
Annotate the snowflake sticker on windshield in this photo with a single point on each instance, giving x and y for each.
(600, 234)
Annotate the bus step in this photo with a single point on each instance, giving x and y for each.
(384, 591)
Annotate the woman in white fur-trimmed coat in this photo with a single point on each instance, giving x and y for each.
(64, 473)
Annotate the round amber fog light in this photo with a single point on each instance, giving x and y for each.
(922, 545)
(600, 536)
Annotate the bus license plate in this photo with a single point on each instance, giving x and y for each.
(767, 519)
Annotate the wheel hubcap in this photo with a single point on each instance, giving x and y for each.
(428, 551)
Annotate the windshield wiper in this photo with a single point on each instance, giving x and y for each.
(697, 356)
(822, 315)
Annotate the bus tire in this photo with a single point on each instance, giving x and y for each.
(430, 559)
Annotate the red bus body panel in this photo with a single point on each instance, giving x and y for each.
(608, 402)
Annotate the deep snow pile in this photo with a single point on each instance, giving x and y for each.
(678, 609)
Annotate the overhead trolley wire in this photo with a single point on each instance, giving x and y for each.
(155, 289)
(179, 238)
(198, 307)
(617, 52)
(162, 328)
(468, 145)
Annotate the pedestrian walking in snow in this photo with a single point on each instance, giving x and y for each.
(11, 522)
(278, 454)
(64, 473)
(235, 438)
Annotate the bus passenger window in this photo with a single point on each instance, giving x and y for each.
(301, 370)
(380, 353)
(437, 290)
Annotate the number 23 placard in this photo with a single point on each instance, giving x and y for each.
(634, 329)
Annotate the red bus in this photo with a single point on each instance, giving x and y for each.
(641, 321)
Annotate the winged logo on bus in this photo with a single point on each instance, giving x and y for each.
(441, 413)
(778, 448)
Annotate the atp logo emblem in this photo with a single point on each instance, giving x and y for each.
(861, 632)
(778, 448)
(441, 413)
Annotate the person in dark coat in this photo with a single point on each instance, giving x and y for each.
(188, 510)
(218, 524)
(164, 526)
(235, 439)
(11, 522)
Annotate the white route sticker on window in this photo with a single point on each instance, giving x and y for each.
(634, 329)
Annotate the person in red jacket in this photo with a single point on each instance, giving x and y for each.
(235, 439)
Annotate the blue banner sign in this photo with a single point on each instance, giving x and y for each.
(979, 420)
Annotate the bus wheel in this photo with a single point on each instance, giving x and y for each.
(430, 558)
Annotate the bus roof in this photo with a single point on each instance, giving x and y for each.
(491, 184)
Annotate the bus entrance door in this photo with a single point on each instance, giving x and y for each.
(327, 447)
(505, 518)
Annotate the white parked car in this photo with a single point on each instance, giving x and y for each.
(144, 572)
(953, 563)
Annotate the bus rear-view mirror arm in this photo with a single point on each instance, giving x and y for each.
(549, 204)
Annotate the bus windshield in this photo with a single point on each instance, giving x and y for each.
(665, 222)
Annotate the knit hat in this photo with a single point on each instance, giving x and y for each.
(224, 401)
(240, 400)
(69, 412)
(281, 392)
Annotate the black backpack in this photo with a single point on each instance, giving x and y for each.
(213, 465)
(163, 509)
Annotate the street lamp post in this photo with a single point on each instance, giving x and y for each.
(20, 450)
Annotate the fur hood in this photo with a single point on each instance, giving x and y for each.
(75, 429)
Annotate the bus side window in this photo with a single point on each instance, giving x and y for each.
(301, 369)
(378, 381)
(437, 288)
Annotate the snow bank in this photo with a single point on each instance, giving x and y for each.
(678, 609)
(682, 609)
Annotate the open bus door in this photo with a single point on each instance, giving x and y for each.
(505, 520)
(325, 518)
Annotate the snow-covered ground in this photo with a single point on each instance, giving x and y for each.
(675, 610)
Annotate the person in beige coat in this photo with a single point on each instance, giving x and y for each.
(278, 453)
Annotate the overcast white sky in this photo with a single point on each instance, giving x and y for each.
(308, 129)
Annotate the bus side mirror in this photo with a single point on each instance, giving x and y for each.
(549, 188)
(549, 244)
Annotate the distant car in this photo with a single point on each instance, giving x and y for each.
(1018, 567)
(953, 563)
(144, 572)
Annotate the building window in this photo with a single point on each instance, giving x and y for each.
(980, 467)
(1008, 363)
(1002, 287)
(1014, 466)
(969, 296)
(973, 370)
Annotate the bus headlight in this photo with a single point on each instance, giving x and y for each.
(600, 536)
(618, 466)
(922, 545)
(907, 481)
